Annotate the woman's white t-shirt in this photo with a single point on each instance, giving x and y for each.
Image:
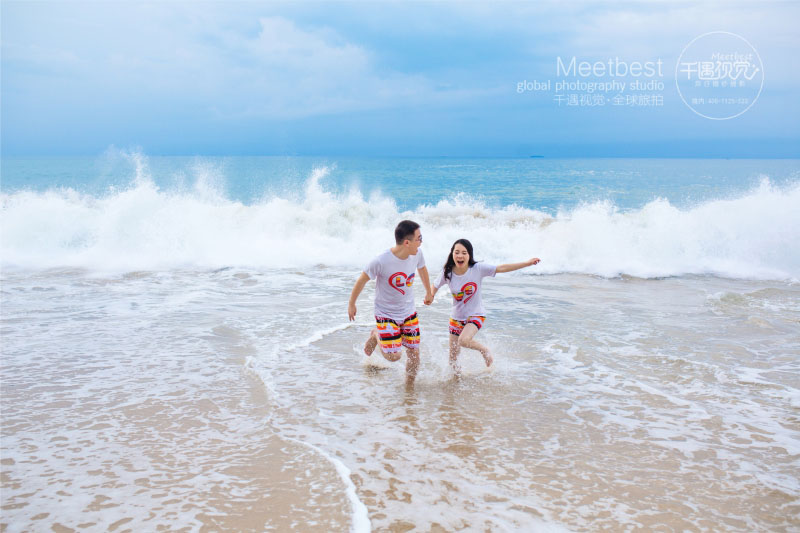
(466, 290)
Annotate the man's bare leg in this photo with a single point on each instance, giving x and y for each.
(455, 349)
(372, 342)
(392, 357)
(465, 340)
(412, 365)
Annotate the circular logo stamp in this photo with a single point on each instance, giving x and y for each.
(719, 75)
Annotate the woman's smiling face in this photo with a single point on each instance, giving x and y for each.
(460, 256)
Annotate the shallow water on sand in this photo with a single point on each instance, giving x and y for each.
(126, 407)
(240, 399)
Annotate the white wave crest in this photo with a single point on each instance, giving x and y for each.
(756, 235)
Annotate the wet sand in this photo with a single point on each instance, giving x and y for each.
(173, 402)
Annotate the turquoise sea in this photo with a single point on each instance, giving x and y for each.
(534, 183)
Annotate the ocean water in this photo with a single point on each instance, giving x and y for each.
(176, 352)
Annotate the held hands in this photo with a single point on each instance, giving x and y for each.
(428, 298)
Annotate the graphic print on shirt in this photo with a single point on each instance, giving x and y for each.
(467, 292)
(399, 279)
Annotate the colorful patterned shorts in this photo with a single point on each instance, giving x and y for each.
(457, 326)
(394, 336)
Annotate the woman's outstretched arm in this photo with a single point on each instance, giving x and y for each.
(510, 267)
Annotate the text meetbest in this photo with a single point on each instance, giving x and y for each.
(612, 67)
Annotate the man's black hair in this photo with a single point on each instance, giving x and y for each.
(405, 230)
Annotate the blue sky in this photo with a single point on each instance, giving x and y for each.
(374, 79)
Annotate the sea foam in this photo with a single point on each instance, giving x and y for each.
(754, 235)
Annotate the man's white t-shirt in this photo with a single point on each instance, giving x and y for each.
(466, 290)
(394, 297)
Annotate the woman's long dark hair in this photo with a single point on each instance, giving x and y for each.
(448, 266)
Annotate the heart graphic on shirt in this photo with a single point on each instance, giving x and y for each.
(469, 290)
(398, 280)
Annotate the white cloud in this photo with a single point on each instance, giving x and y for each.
(642, 31)
(286, 71)
(282, 44)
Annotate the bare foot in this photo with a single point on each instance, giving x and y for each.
(456, 367)
(369, 347)
(487, 356)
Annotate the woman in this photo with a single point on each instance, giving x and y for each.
(463, 275)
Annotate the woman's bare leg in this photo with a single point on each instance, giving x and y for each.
(465, 340)
(455, 349)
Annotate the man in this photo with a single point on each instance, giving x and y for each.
(395, 312)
